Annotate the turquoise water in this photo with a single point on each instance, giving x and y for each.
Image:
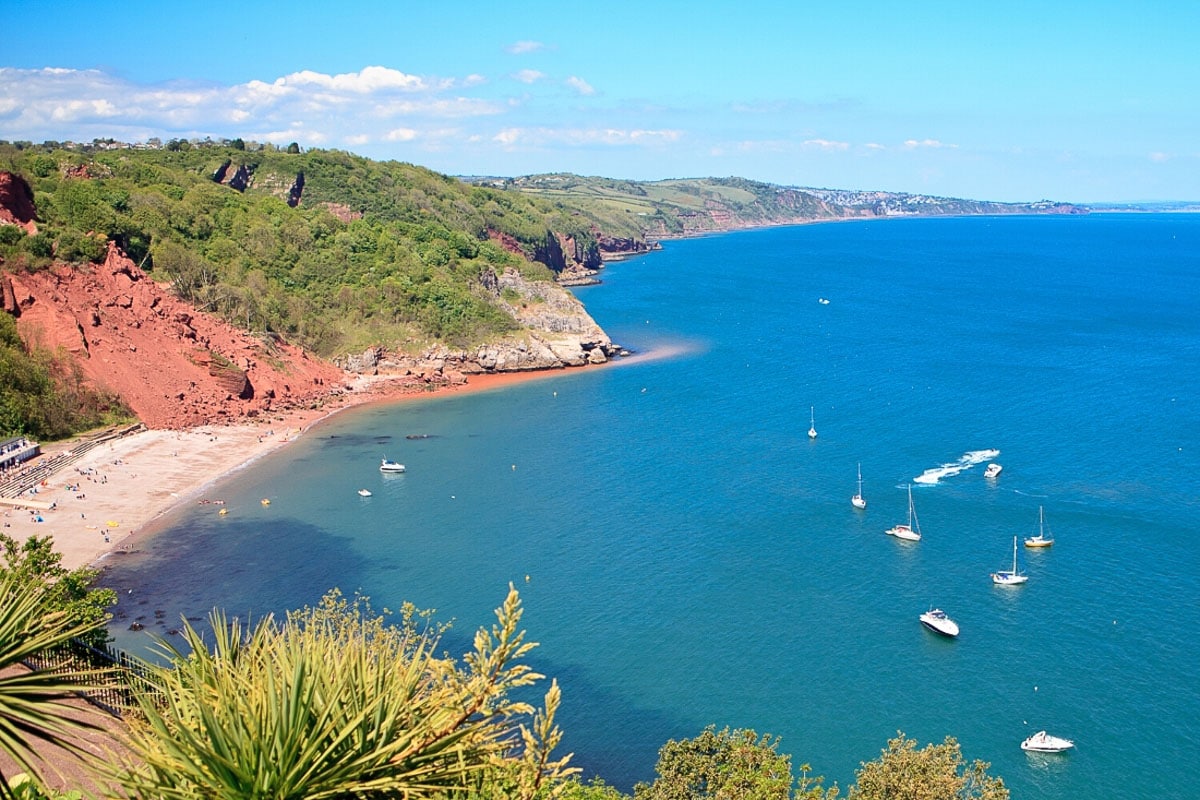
(693, 558)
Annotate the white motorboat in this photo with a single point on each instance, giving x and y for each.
(936, 620)
(1042, 742)
(1041, 539)
(910, 531)
(1013, 577)
(858, 501)
(391, 466)
(812, 427)
(992, 470)
(364, 492)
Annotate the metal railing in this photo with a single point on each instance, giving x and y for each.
(126, 676)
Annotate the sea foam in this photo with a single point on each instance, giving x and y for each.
(968, 460)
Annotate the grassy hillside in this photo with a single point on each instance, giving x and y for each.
(373, 253)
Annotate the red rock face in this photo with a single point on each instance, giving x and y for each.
(16, 202)
(174, 366)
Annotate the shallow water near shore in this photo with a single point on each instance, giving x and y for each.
(687, 555)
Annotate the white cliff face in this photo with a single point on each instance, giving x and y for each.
(558, 327)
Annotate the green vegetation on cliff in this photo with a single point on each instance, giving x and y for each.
(333, 250)
(42, 395)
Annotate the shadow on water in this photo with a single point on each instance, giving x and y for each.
(188, 575)
(246, 567)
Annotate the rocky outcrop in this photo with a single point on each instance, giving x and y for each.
(220, 172)
(611, 248)
(550, 252)
(558, 333)
(342, 212)
(296, 191)
(173, 366)
(16, 202)
(241, 178)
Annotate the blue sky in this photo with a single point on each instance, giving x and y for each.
(1015, 101)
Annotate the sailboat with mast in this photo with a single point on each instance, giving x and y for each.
(1011, 577)
(858, 501)
(812, 427)
(1040, 540)
(911, 531)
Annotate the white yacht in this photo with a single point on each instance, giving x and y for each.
(858, 501)
(812, 427)
(390, 466)
(910, 531)
(1011, 577)
(936, 620)
(1042, 742)
(992, 470)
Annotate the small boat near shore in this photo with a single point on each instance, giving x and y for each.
(390, 466)
(936, 620)
(1042, 742)
(364, 492)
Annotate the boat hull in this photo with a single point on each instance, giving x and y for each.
(1043, 742)
(940, 624)
(904, 532)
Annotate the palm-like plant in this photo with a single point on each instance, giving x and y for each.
(33, 703)
(332, 703)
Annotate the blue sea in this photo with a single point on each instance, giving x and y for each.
(688, 556)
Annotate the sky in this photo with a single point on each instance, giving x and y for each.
(1016, 101)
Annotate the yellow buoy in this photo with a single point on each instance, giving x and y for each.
(223, 511)
(266, 502)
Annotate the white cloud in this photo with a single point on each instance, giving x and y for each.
(357, 139)
(582, 137)
(56, 103)
(526, 46)
(825, 145)
(934, 144)
(453, 107)
(400, 135)
(507, 137)
(367, 80)
(580, 85)
(529, 76)
(1160, 157)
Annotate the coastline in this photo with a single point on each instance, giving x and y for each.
(108, 498)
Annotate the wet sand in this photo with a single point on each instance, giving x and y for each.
(104, 500)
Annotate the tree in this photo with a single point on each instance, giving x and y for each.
(335, 703)
(729, 765)
(936, 772)
(35, 563)
(33, 703)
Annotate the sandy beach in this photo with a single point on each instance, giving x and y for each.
(105, 499)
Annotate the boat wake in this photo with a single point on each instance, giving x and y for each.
(968, 460)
